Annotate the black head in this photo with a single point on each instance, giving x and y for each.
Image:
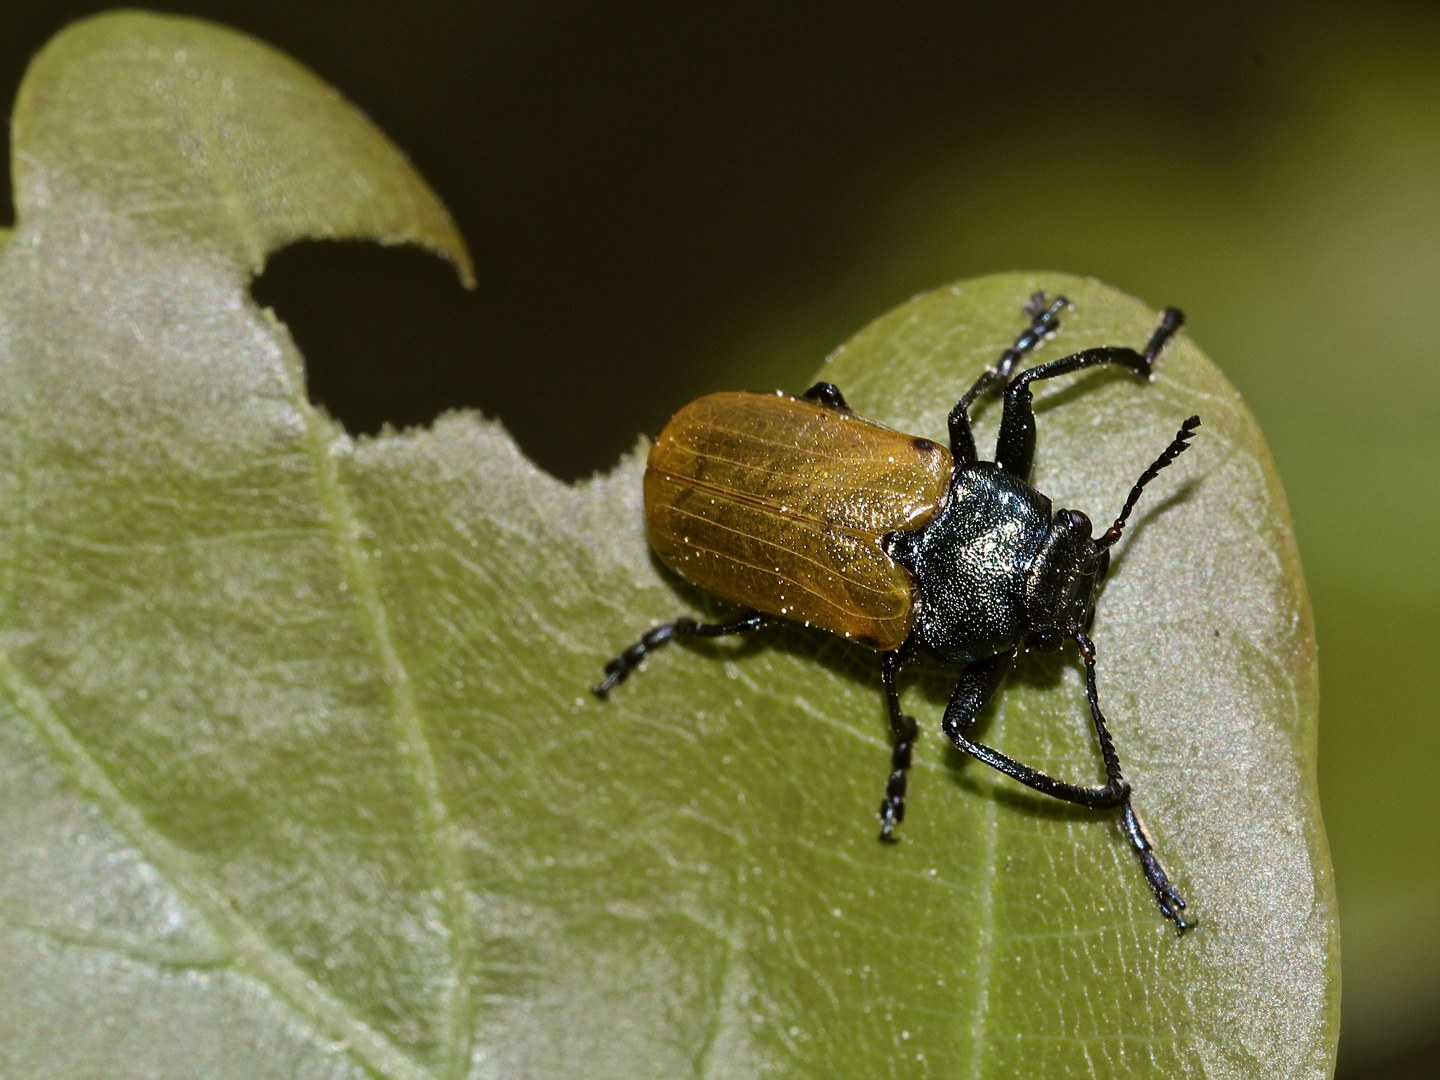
(1063, 581)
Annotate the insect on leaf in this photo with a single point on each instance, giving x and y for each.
(300, 774)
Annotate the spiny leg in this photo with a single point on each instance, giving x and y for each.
(904, 728)
(1043, 320)
(618, 669)
(1172, 904)
(1015, 449)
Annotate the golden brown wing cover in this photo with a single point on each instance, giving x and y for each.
(779, 504)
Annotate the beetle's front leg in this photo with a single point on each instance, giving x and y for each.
(1043, 320)
(975, 688)
(904, 728)
(1015, 449)
(1172, 903)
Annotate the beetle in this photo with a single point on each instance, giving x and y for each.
(796, 508)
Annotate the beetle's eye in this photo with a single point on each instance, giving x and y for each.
(1049, 641)
(1077, 522)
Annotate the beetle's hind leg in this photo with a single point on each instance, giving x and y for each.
(618, 669)
(904, 728)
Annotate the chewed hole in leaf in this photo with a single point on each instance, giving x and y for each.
(388, 335)
(390, 339)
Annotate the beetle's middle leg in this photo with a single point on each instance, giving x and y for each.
(618, 669)
(904, 728)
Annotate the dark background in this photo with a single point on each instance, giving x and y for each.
(668, 199)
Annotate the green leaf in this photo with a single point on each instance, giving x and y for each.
(300, 774)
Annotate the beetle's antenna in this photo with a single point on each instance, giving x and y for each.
(1180, 444)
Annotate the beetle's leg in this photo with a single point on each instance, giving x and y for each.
(1171, 319)
(1015, 449)
(977, 684)
(975, 687)
(827, 394)
(1172, 904)
(1043, 320)
(892, 806)
(617, 670)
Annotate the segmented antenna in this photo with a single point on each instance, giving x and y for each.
(1173, 451)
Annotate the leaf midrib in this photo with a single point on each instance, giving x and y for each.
(438, 830)
(252, 952)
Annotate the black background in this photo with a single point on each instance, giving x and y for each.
(634, 179)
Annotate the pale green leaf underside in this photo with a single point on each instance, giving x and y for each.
(299, 774)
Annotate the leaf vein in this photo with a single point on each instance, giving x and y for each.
(441, 834)
(254, 953)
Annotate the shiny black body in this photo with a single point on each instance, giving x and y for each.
(996, 571)
(978, 566)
